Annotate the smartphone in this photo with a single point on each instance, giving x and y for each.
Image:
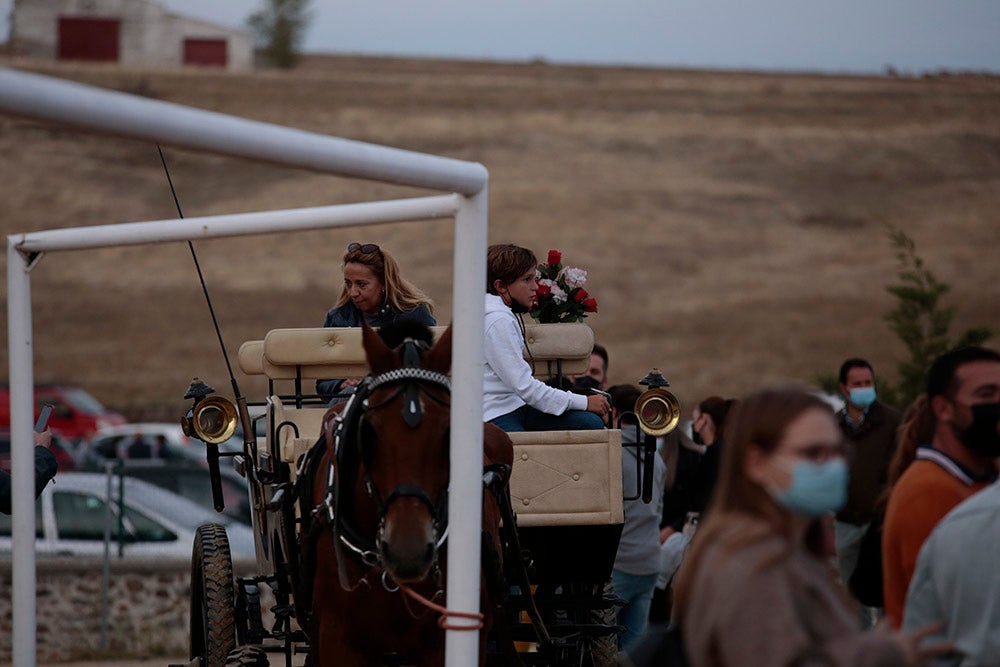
(43, 418)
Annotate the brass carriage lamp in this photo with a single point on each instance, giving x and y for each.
(658, 412)
(211, 419)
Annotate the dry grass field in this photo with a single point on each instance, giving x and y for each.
(732, 223)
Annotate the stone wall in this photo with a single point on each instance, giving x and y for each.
(148, 607)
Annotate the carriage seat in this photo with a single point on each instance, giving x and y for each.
(309, 354)
(567, 478)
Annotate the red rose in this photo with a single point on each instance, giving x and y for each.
(543, 291)
(590, 306)
(580, 295)
(555, 257)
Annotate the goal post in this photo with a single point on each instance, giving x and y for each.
(96, 110)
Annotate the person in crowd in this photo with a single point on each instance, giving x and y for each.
(956, 578)
(45, 469)
(374, 290)
(757, 586)
(691, 490)
(676, 448)
(139, 448)
(513, 398)
(598, 369)
(869, 427)
(963, 386)
(707, 430)
(637, 561)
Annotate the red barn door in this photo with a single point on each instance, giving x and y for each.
(205, 52)
(85, 38)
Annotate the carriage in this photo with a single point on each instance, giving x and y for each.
(559, 499)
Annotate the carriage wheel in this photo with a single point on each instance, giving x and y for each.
(604, 649)
(213, 624)
(250, 655)
(598, 650)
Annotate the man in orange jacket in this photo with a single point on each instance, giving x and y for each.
(963, 387)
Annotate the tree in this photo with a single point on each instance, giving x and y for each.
(278, 30)
(919, 320)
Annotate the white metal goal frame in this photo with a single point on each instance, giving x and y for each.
(466, 184)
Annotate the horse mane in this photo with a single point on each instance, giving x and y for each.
(394, 333)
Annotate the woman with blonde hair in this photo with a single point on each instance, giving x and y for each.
(757, 586)
(374, 290)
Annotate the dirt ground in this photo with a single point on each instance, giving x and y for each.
(732, 223)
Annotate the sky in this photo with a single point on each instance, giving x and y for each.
(852, 36)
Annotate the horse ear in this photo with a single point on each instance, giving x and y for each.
(439, 356)
(380, 357)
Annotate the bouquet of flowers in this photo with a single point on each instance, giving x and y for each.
(560, 296)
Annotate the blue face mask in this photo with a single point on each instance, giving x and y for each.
(817, 488)
(862, 396)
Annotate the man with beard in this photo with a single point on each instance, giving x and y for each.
(963, 396)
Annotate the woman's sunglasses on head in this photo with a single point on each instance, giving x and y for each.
(366, 248)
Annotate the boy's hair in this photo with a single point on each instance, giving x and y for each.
(506, 263)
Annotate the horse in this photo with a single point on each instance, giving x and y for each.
(376, 492)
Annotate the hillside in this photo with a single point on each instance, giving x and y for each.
(732, 223)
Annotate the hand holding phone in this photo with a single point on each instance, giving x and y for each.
(43, 418)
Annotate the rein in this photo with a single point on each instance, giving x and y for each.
(445, 612)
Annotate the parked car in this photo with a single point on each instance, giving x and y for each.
(160, 453)
(61, 447)
(72, 516)
(76, 414)
(193, 481)
(145, 440)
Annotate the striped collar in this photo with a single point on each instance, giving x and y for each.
(954, 468)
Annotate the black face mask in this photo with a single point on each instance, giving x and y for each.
(981, 437)
(518, 307)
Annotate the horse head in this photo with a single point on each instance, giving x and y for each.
(405, 445)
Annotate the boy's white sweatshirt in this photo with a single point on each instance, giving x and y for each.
(507, 380)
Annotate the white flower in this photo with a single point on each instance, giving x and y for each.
(558, 295)
(573, 277)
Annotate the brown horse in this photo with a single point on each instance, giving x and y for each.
(380, 493)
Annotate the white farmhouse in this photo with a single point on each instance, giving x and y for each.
(130, 32)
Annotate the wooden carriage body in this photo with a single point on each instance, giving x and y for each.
(565, 493)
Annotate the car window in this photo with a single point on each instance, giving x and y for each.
(83, 517)
(5, 522)
(84, 402)
(80, 516)
(144, 529)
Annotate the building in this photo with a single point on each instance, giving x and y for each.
(130, 32)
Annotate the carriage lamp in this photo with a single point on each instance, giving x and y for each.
(211, 419)
(658, 410)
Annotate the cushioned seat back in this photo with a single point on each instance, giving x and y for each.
(564, 478)
(337, 352)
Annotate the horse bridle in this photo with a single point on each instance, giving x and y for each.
(348, 441)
